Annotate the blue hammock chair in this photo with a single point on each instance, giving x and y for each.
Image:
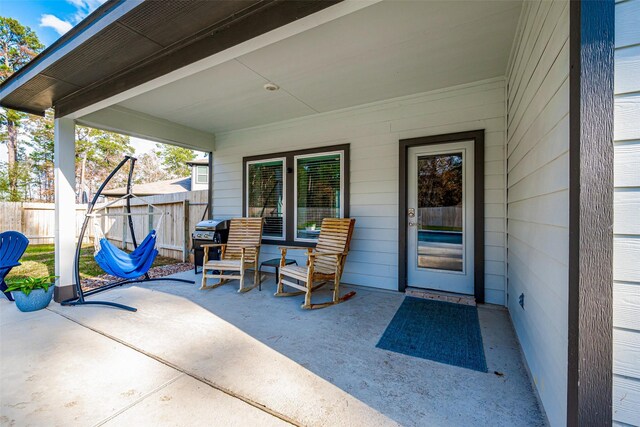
(130, 267)
(125, 265)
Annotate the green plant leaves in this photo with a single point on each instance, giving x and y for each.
(28, 284)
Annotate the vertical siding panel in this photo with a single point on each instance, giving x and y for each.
(626, 226)
(537, 200)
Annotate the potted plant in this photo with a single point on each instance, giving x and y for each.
(310, 226)
(31, 293)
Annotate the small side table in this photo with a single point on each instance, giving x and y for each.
(275, 263)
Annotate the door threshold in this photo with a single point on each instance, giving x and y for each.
(441, 296)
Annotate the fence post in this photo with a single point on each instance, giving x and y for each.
(150, 221)
(22, 221)
(124, 230)
(185, 213)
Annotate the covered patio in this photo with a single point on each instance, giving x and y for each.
(376, 92)
(247, 359)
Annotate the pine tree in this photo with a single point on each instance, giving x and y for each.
(18, 44)
(40, 130)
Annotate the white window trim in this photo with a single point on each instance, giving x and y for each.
(206, 175)
(284, 193)
(295, 189)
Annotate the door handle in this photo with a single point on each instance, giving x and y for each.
(412, 224)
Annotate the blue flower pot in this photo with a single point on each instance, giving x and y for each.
(36, 300)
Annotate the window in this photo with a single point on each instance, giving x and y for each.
(265, 195)
(318, 192)
(294, 191)
(202, 174)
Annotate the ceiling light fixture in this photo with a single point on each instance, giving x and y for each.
(271, 87)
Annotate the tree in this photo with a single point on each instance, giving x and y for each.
(174, 159)
(97, 153)
(40, 130)
(440, 182)
(18, 44)
(148, 169)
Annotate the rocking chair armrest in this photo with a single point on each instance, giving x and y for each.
(317, 254)
(206, 247)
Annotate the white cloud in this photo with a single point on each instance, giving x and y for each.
(56, 23)
(61, 26)
(84, 7)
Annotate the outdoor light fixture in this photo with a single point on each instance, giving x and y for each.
(271, 87)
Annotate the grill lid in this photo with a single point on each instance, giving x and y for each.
(215, 224)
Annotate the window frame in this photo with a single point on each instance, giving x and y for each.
(245, 199)
(206, 174)
(290, 186)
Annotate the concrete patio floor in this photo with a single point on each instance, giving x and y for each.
(191, 357)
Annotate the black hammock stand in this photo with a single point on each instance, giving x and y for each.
(145, 247)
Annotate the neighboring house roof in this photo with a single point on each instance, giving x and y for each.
(199, 162)
(125, 43)
(169, 186)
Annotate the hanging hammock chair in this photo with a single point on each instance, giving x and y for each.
(127, 266)
(118, 263)
(115, 261)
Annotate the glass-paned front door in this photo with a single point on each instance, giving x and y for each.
(440, 217)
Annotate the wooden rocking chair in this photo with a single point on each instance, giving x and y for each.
(325, 263)
(240, 253)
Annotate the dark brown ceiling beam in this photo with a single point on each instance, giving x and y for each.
(23, 109)
(251, 22)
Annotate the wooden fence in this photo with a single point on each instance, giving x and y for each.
(35, 220)
(182, 212)
(449, 216)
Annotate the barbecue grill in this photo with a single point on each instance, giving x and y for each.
(206, 232)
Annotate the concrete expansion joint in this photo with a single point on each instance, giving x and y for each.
(183, 372)
(140, 399)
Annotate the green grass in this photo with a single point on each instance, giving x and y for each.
(38, 261)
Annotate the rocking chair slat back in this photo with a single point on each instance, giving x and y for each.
(335, 236)
(243, 232)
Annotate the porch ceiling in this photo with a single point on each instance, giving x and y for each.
(387, 50)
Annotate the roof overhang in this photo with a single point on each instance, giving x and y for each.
(126, 43)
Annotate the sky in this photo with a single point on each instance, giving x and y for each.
(50, 19)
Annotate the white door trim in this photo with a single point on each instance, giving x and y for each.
(404, 144)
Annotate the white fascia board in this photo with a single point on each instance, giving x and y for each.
(304, 24)
(134, 123)
(116, 13)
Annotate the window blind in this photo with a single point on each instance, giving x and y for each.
(318, 192)
(265, 192)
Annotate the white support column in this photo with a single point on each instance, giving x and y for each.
(65, 201)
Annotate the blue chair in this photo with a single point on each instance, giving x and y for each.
(12, 246)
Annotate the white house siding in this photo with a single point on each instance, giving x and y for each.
(538, 196)
(626, 228)
(373, 132)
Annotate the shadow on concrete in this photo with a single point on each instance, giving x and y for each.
(337, 344)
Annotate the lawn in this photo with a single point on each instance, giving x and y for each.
(38, 260)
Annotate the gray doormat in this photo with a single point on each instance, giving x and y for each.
(436, 330)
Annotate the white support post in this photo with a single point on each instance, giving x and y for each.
(65, 202)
